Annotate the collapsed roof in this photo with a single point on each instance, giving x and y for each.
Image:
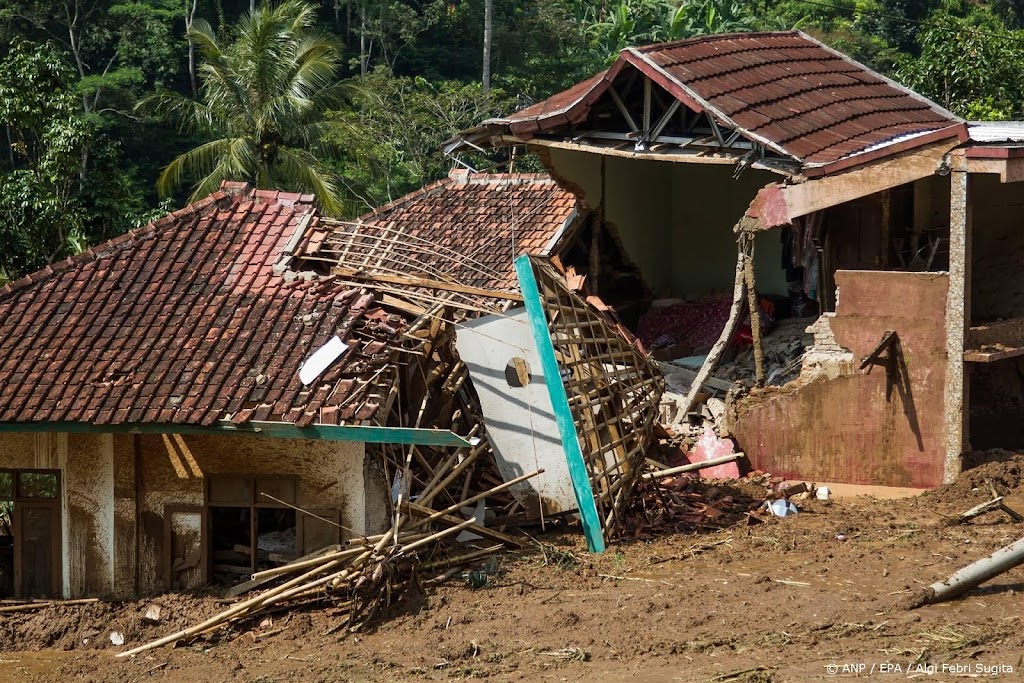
(465, 230)
(197, 319)
(781, 100)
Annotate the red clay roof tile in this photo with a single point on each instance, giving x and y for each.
(185, 322)
(471, 227)
(785, 88)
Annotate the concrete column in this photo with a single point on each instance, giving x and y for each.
(958, 316)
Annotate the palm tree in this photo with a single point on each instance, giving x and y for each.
(263, 105)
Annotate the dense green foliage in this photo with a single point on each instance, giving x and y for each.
(263, 114)
(102, 101)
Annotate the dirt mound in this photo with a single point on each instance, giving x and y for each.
(1004, 469)
(76, 627)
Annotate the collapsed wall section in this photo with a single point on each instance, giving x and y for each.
(846, 425)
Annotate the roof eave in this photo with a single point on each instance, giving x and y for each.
(957, 130)
(279, 430)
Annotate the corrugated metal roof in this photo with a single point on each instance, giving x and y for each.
(996, 131)
(784, 90)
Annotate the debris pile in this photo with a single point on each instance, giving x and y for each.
(683, 503)
(783, 352)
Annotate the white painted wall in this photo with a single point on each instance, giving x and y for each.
(676, 219)
(519, 420)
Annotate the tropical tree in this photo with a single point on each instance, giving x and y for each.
(262, 106)
(49, 208)
(390, 140)
(971, 65)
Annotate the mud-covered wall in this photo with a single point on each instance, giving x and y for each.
(851, 429)
(85, 462)
(174, 468)
(124, 511)
(997, 249)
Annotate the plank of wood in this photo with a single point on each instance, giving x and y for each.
(691, 375)
(982, 356)
(979, 510)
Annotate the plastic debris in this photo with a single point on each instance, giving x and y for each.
(782, 508)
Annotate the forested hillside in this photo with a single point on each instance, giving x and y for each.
(114, 111)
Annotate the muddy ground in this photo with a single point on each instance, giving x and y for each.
(813, 597)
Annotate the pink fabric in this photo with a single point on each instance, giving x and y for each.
(697, 325)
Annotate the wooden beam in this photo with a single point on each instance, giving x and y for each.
(425, 282)
(1006, 332)
(991, 355)
(653, 137)
(622, 109)
(778, 205)
(647, 107)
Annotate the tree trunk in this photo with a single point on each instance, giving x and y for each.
(364, 58)
(190, 17)
(488, 34)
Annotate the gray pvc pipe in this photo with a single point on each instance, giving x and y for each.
(979, 572)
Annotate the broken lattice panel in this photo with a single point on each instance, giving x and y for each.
(613, 391)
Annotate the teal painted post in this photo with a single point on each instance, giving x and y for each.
(560, 405)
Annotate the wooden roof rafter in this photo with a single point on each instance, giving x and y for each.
(636, 114)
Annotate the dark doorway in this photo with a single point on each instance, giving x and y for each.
(30, 540)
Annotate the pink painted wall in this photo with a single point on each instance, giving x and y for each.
(846, 430)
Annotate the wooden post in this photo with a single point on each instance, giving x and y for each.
(755, 310)
(711, 362)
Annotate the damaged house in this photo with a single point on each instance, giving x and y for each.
(242, 382)
(874, 233)
(800, 251)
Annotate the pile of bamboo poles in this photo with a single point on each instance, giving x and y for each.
(365, 580)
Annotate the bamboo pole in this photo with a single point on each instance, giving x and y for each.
(711, 362)
(259, 600)
(477, 497)
(755, 313)
(305, 564)
(26, 607)
(461, 559)
(693, 467)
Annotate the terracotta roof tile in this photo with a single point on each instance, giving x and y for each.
(784, 88)
(186, 322)
(471, 227)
